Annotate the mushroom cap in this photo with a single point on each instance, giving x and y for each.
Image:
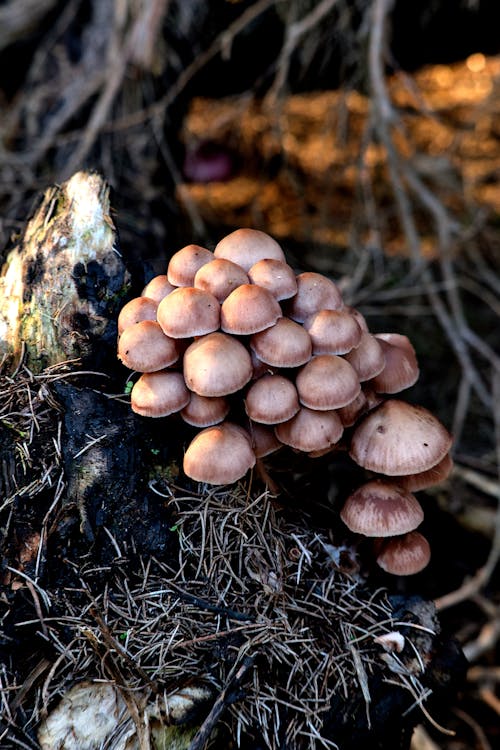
(381, 509)
(285, 344)
(158, 394)
(358, 317)
(264, 440)
(187, 312)
(424, 479)
(135, 310)
(202, 411)
(350, 413)
(315, 292)
(220, 277)
(220, 454)
(332, 331)
(183, 264)
(368, 357)
(216, 364)
(158, 287)
(398, 438)
(144, 347)
(404, 555)
(274, 275)
(247, 246)
(271, 399)
(249, 309)
(327, 382)
(310, 430)
(400, 369)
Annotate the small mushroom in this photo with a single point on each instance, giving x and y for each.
(144, 347)
(184, 264)
(398, 438)
(327, 382)
(315, 292)
(333, 331)
(220, 277)
(135, 310)
(216, 364)
(404, 555)
(187, 312)
(221, 454)
(249, 309)
(247, 246)
(421, 481)
(310, 430)
(401, 368)
(264, 440)
(285, 344)
(381, 509)
(367, 358)
(158, 288)
(202, 411)
(271, 399)
(274, 275)
(158, 394)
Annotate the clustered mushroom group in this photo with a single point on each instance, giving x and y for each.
(256, 356)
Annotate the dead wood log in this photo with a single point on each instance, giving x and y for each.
(61, 286)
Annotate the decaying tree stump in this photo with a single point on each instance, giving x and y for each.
(61, 287)
(166, 587)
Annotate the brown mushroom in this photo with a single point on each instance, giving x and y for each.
(247, 246)
(135, 310)
(367, 358)
(184, 264)
(220, 277)
(145, 348)
(404, 555)
(249, 309)
(158, 394)
(398, 438)
(221, 454)
(264, 440)
(158, 288)
(424, 479)
(187, 312)
(401, 368)
(285, 344)
(271, 399)
(381, 509)
(202, 411)
(327, 382)
(216, 364)
(274, 275)
(310, 430)
(315, 292)
(332, 331)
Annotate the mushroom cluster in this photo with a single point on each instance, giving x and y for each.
(256, 356)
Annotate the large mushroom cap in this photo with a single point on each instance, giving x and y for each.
(249, 309)
(187, 312)
(404, 555)
(399, 438)
(221, 454)
(158, 394)
(185, 262)
(247, 246)
(271, 399)
(216, 365)
(381, 509)
(144, 347)
(285, 344)
(315, 292)
(310, 430)
(327, 382)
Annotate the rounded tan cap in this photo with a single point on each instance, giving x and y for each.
(221, 454)
(381, 509)
(404, 555)
(249, 309)
(202, 411)
(158, 394)
(216, 365)
(185, 262)
(367, 358)
(187, 312)
(401, 368)
(274, 275)
(145, 348)
(247, 246)
(271, 399)
(327, 382)
(333, 331)
(285, 344)
(158, 287)
(220, 277)
(399, 438)
(315, 292)
(137, 309)
(310, 430)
